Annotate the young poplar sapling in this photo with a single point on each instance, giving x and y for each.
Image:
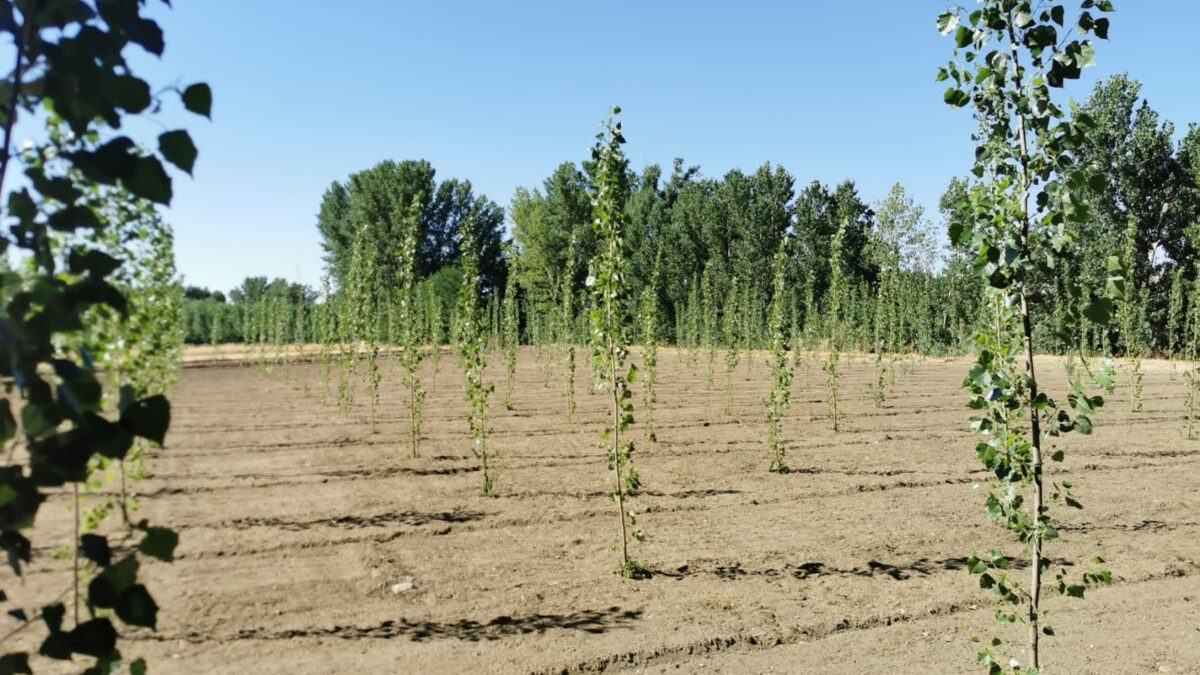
(1009, 56)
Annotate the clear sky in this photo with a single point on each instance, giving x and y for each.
(308, 91)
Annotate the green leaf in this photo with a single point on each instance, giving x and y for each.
(947, 22)
(1086, 57)
(130, 93)
(149, 180)
(956, 97)
(963, 36)
(178, 149)
(148, 418)
(197, 98)
(8, 425)
(960, 236)
(1099, 311)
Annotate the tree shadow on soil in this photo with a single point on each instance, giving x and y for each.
(588, 621)
(409, 518)
(390, 471)
(604, 494)
(922, 567)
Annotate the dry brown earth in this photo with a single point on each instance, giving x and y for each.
(302, 528)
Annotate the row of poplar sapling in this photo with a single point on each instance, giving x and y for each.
(1021, 212)
(363, 330)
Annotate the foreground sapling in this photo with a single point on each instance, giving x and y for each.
(472, 352)
(609, 350)
(779, 399)
(1016, 233)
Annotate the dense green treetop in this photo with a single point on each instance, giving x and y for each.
(376, 200)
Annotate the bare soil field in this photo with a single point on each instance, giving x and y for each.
(314, 544)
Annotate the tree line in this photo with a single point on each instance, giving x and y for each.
(710, 241)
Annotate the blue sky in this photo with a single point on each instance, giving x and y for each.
(308, 91)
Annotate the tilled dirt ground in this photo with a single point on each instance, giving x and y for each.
(312, 543)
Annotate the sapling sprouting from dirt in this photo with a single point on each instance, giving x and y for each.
(510, 338)
(835, 325)
(1176, 317)
(368, 306)
(327, 336)
(472, 345)
(1022, 212)
(609, 350)
(779, 399)
(732, 334)
(693, 317)
(884, 372)
(1130, 318)
(352, 323)
(437, 327)
(568, 328)
(410, 338)
(710, 324)
(648, 311)
(1191, 353)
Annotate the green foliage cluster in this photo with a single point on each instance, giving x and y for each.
(377, 200)
(74, 292)
(1024, 215)
(257, 312)
(779, 399)
(511, 339)
(836, 330)
(407, 318)
(608, 334)
(140, 349)
(648, 325)
(473, 355)
(569, 339)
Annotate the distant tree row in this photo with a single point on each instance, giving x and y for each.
(211, 319)
(710, 241)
